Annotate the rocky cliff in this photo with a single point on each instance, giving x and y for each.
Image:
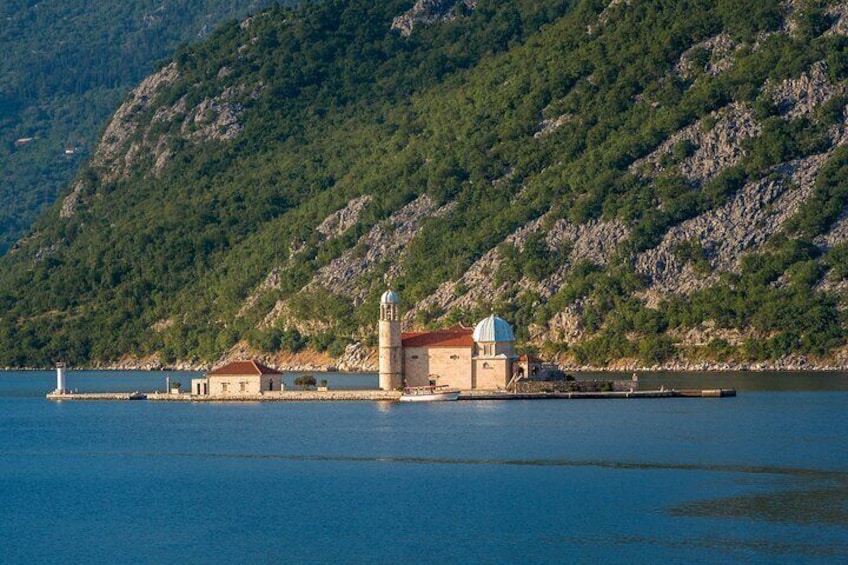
(629, 185)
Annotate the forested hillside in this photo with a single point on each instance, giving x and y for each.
(65, 68)
(641, 182)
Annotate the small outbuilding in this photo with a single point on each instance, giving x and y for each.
(238, 378)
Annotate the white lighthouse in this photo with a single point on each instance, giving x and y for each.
(391, 364)
(60, 379)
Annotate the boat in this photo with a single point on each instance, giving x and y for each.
(430, 393)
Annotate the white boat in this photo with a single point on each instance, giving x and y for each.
(428, 394)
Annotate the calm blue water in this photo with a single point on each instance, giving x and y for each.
(762, 478)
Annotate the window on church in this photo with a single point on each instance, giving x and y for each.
(242, 386)
(454, 357)
(415, 356)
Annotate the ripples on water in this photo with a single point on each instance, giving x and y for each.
(760, 478)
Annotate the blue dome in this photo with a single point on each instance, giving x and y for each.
(390, 297)
(493, 329)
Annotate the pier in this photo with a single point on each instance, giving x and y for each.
(385, 395)
(96, 396)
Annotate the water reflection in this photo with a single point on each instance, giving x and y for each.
(806, 503)
(732, 548)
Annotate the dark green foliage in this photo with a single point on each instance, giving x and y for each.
(65, 68)
(305, 382)
(693, 252)
(828, 201)
(170, 264)
(774, 296)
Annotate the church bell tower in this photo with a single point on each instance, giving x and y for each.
(391, 370)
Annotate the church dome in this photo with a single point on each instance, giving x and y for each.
(493, 329)
(390, 297)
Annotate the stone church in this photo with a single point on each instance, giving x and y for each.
(459, 357)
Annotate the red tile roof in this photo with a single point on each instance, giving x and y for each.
(456, 336)
(241, 368)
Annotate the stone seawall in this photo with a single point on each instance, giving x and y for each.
(530, 387)
(282, 396)
(97, 396)
(392, 396)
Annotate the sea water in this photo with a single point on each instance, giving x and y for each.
(760, 478)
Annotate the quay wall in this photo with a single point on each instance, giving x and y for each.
(96, 396)
(282, 396)
(390, 395)
(528, 387)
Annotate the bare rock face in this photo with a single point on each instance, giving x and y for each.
(218, 117)
(594, 241)
(72, 200)
(111, 156)
(548, 126)
(477, 284)
(719, 51)
(566, 326)
(707, 332)
(124, 123)
(357, 357)
(801, 96)
(383, 242)
(728, 233)
(606, 14)
(339, 222)
(718, 148)
(838, 11)
(332, 226)
(128, 142)
(272, 281)
(347, 275)
(428, 12)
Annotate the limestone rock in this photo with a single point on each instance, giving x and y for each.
(383, 242)
(718, 148)
(358, 358)
(339, 222)
(799, 97)
(428, 12)
(719, 50)
(741, 226)
(838, 11)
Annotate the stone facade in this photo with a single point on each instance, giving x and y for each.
(458, 357)
(444, 365)
(242, 384)
(238, 378)
(492, 373)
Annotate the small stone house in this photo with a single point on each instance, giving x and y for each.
(528, 367)
(238, 378)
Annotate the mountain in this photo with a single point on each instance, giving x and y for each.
(629, 183)
(66, 67)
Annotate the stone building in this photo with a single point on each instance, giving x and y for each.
(238, 378)
(460, 357)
